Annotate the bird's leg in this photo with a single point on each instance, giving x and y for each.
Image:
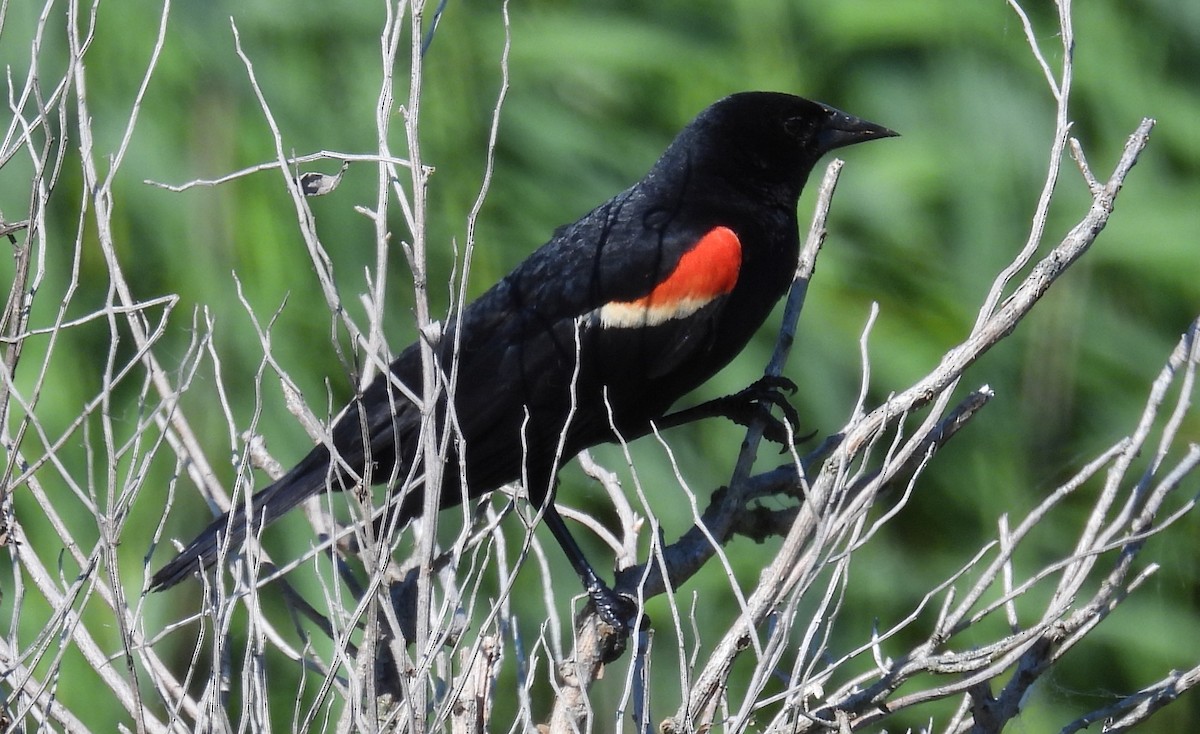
(746, 406)
(617, 611)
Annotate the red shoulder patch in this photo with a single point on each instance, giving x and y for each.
(705, 272)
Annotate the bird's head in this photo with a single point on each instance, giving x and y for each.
(767, 140)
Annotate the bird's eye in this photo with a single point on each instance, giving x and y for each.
(798, 127)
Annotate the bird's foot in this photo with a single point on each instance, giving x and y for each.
(748, 406)
(617, 611)
(755, 402)
(620, 614)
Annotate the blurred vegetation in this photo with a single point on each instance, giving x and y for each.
(920, 225)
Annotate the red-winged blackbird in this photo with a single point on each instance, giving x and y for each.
(602, 328)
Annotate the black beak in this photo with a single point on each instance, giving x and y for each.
(840, 129)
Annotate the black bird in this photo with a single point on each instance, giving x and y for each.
(607, 324)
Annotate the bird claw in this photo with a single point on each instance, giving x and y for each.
(774, 383)
(616, 610)
(754, 403)
(621, 614)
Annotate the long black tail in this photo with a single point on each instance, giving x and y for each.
(309, 477)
